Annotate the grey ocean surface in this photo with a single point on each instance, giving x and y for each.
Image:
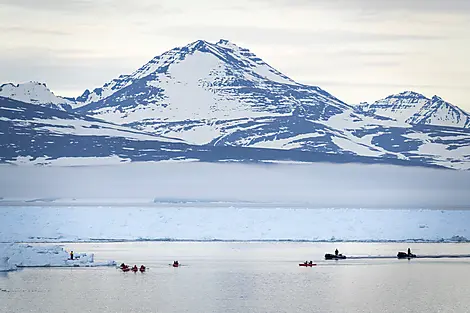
(246, 277)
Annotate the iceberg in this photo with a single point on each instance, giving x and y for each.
(14, 256)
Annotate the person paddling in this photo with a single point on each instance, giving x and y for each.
(124, 266)
(336, 252)
(409, 251)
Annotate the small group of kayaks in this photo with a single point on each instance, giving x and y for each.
(126, 268)
(135, 269)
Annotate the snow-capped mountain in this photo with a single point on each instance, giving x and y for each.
(36, 93)
(217, 64)
(218, 101)
(194, 88)
(439, 112)
(414, 108)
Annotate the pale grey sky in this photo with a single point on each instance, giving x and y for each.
(359, 50)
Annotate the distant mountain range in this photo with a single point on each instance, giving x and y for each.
(219, 102)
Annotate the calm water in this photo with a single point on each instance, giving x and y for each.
(246, 277)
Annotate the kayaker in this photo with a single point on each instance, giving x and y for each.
(336, 252)
(135, 269)
(142, 268)
(175, 263)
(409, 251)
(311, 262)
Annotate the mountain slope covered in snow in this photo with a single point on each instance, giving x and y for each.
(203, 87)
(31, 134)
(36, 93)
(414, 108)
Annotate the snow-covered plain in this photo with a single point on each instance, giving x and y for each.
(205, 201)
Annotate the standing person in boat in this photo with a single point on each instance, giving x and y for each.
(71, 255)
(409, 251)
(336, 252)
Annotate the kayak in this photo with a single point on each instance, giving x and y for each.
(404, 255)
(329, 256)
(125, 269)
(175, 265)
(307, 265)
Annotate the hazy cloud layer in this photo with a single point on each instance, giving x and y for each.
(314, 185)
(356, 49)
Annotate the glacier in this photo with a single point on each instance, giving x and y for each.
(227, 201)
(237, 222)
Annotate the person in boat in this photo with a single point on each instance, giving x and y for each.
(175, 263)
(134, 268)
(409, 251)
(142, 268)
(310, 263)
(306, 262)
(336, 252)
(71, 255)
(124, 265)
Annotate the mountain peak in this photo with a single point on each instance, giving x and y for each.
(407, 94)
(36, 93)
(196, 45)
(202, 61)
(414, 108)
(437, 111)
(25, 85)
(227, 44)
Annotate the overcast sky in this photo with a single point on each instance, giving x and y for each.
(359, 50)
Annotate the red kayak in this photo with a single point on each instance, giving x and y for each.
(125, 269)
(176, 265)
(308, 264)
